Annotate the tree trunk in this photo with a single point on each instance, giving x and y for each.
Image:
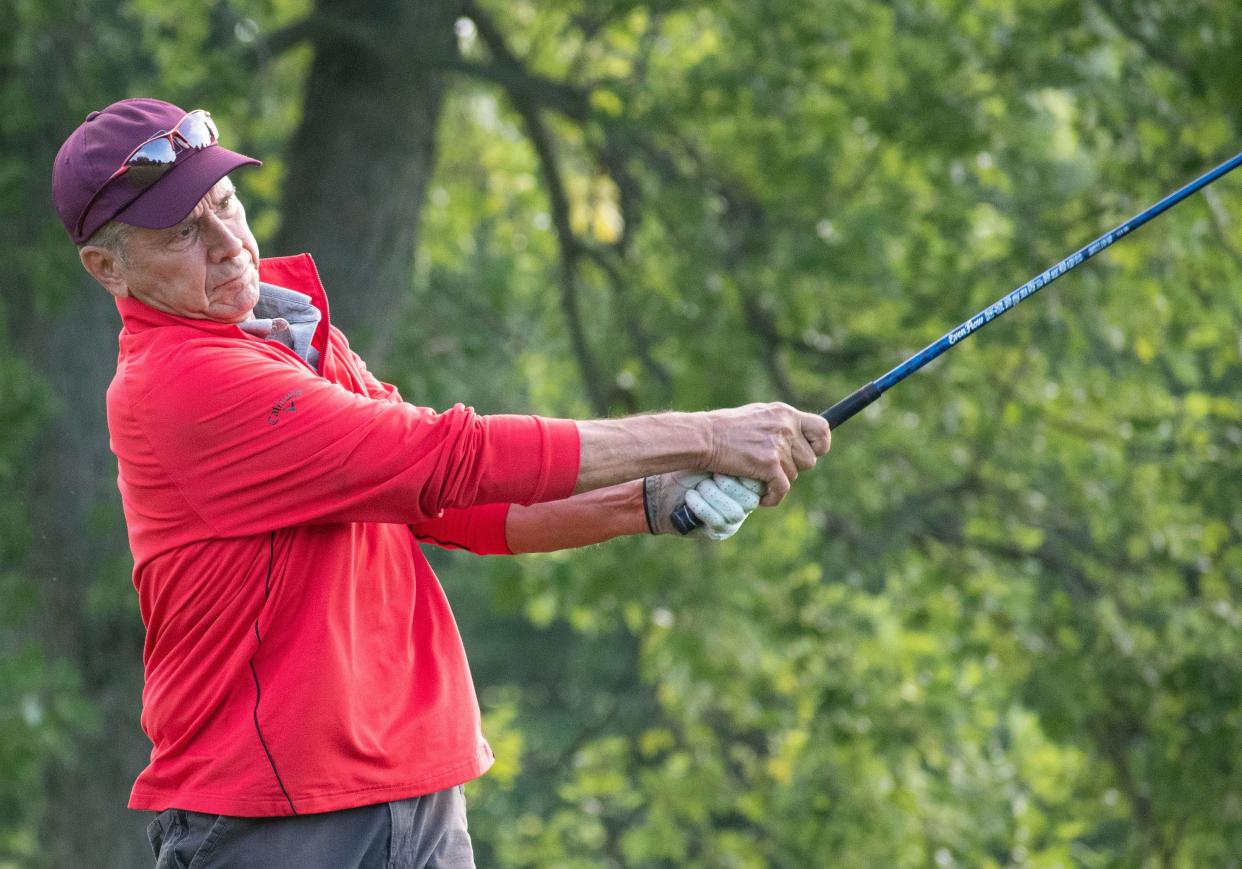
(360, 163)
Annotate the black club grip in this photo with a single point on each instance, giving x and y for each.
(685, 521)
(851, 404)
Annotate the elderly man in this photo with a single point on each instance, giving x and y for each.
(307, 695)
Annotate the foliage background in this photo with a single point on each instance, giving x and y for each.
(997, 627)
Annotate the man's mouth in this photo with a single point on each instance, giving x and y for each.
(228, 283)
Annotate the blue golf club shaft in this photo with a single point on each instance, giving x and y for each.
(685, 521)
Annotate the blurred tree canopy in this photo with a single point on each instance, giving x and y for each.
(996, 627)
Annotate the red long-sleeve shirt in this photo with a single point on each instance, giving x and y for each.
(300, 653)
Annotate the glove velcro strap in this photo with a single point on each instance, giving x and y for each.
(651, 500)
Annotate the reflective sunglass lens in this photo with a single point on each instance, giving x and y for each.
(159, 151)
(198, 130)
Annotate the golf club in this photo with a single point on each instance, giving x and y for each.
(685, 521)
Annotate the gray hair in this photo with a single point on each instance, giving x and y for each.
(111, 236)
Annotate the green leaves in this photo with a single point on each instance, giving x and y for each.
(969, 637)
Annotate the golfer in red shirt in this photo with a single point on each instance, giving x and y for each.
(306, 691)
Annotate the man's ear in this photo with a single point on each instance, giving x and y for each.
(105, 266)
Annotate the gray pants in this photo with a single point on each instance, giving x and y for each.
(420, 832)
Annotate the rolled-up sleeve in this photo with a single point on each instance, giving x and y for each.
(480, 530)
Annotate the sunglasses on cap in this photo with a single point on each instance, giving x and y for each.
(151, 160)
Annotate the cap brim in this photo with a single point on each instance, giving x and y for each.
(167, 202)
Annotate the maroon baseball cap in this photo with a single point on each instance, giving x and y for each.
(97, 148)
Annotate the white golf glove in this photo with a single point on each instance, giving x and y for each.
(719, 501)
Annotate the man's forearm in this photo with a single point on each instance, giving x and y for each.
(591, 517)
(768, 443)
(616, 450)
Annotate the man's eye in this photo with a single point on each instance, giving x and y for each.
(226, 203)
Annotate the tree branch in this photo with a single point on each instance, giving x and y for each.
(321, 25)
(761, 324)
(1114, 742)
(570, 251)
(528, 93)
(574, 103)
(638, 336)
(1161, 52)
(1220, 225)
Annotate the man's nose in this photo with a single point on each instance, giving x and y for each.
(225, 243)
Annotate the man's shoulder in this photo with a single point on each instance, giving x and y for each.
(183, 357)
(184, 342)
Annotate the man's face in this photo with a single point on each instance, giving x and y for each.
(206, 267)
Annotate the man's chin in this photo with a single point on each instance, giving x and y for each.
(237, 307)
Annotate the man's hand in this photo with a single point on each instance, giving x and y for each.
(721, 502)
(767, 442)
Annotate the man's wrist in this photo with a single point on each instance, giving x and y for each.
(583, 520)
(616, 450)
(695, 432)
